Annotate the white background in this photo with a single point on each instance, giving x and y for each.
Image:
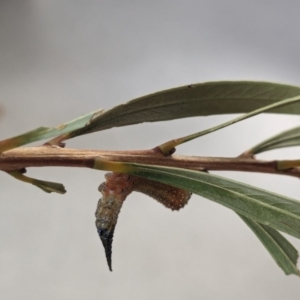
(62, 59)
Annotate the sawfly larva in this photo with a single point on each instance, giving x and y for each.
(115, 190)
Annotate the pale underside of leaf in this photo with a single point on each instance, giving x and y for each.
(282, 251)
(277, 245)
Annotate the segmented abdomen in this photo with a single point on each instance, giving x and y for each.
(114, 191)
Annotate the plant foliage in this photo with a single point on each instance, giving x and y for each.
(264, 212)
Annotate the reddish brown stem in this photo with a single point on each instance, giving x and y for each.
(60, 157)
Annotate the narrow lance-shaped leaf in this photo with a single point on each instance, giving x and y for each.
(211, 98)
(282, 251)
(46, 186)
(168, 146)
(276, 211)
(288, 138)
(42, 133)
(202, 99)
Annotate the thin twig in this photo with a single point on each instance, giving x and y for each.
(45, 156)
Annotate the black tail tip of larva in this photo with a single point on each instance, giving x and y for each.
(106, 238)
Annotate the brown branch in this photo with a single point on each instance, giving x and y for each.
(45, 156)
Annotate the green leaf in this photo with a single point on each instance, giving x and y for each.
(288, 138)
(276, 211)
(279, 247)
(168, 146)
(46, 186)
(211, 98)
(237, 196)
(42, 133)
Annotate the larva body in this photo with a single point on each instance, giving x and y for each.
(115, 190)
(169, 196)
